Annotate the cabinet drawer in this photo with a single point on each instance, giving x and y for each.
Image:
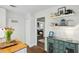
(56, 45)
(61, 42)
(56, 41)
(72, 45)
(51, 40)
(67, 45)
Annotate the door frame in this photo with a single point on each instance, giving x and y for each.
(43, 30)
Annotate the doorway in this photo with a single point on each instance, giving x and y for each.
(40, 32)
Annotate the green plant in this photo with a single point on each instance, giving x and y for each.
(8, 33)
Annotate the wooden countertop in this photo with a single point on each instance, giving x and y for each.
(14, 48)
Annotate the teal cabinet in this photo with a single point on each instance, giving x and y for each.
(67, 44)
(60, 46)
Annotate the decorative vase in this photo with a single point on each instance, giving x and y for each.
(8, 37)
(8, 33)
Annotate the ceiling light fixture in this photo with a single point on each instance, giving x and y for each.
(12, 5)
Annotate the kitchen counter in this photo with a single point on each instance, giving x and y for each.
(65, 39)
(15, 48)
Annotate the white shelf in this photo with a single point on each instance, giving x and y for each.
(61, 16)
(62, 26)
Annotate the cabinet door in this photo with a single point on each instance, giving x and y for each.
(55, 50)
(61, 42)
(61, 46)
(50, 47)
(2, 17)
(50, 40)
(56, 44)
(76, 48)
(61, 51)
(67, 45)
(72, 45)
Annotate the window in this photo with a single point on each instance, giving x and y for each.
(1, 33)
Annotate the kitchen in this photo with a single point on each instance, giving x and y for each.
(68, 32)
(65, 27)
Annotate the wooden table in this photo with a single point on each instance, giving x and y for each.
(15, 48)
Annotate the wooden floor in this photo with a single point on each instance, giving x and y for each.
(35, 49)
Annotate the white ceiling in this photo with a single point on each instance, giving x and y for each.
(24, 9)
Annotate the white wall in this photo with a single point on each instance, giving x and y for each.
(24, 27)
(2, 17)
(19, 26)
(30, 30)
(48, 20)
(44, 14)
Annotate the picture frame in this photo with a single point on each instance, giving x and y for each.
(61, 10)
